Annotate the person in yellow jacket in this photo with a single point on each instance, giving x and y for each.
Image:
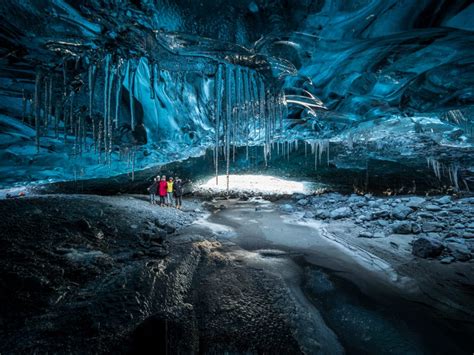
(170, 191)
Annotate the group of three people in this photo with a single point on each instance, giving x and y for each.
(166, 190)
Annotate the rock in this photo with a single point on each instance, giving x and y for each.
(197, 210)
(433, 208)
(302, 202)
(379, 235)
(447, 260)
(322, 214)
(432, 227)
(470, 225)
(426, 215)
(468, 234)
(365, 234)
(380, 214)
(170, 229)
(468, 200)
(415, 228)
(287, 208)
(298, 196)
(382, 222)
(426, 247)
(405, 228)
(309, 214)
(358, 201)
(401, 212)
(460, 251)
(455, 210)
(341, 212)
(133, 226)
(443, 200)
(434, 235)
(459, 226)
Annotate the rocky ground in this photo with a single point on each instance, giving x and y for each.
(101, 274)
(437, 227)
(429, 240)
(95, 274)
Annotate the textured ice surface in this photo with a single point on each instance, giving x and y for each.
(135, 84)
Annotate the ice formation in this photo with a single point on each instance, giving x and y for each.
(93, 89)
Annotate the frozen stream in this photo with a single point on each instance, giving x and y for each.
(369, 306)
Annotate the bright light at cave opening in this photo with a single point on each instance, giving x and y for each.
(257, 183)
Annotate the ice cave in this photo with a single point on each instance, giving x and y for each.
(236, 177)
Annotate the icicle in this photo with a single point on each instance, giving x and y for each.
(228, 82)
(109, 113)
(71, 112)
(327, 152)
(247, 100)
(65, 77)
(133, 163)
(118, 92)
(151, 68)
(50, 100)
(106, 100)
(131, 89)
(37, 109)
(57, 114)
(91, 75)
(31, 114)
(45, 107)
(261, 99)
(218, 110)
(99, 144)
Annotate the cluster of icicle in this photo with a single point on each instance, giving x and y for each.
(441, 170)
(244, 109)
(461, 120)
(57, 108)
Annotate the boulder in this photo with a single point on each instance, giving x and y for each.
(303, 202)
(365, 234)
(426, 247)
(433, 208)
(401, 212)
(415, 202)
(432, 227)
(443, 200)
(405, 228)
(321, 214)
(459, 250)
(309, 214)
(468, 200)
(341, 212)
(287, 208)
(380, 214)
(447, 259)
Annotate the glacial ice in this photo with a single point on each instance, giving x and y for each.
(111, 87)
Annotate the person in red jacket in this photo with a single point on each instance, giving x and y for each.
(163, 190)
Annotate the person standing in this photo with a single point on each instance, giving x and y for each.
(170, 191)
(178, 192)
(152, 189)
(162, 190)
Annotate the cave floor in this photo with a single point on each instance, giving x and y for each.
(87, 273)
